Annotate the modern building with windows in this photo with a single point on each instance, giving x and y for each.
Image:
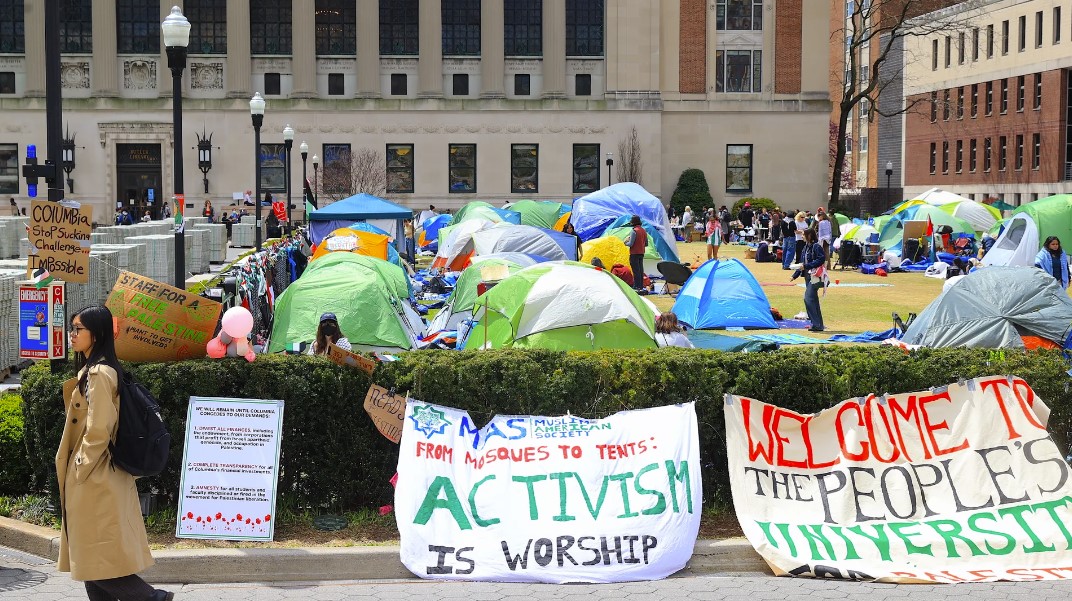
(455, 100)
(993, 98)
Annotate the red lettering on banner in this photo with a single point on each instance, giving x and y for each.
(779, 413)
(862, 455)
(1021, 388)
(931, 428)
(996, 384)
(758, 449)
(435, 451)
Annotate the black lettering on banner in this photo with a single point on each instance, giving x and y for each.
(463, 559)
(1002, 498)
(441, 566)
(1055, 458)
(611, 550)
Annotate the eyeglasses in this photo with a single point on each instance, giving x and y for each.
(76, 330)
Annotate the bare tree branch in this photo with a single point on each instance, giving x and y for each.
(365, 172)
(630, 161)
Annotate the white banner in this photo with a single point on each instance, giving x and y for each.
(548, 499)
(230, 468)
(957, 484)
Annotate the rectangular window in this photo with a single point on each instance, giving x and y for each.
(336, 28)
(400, 168)
(934, 106)
(960, 48)
(461, 167)
(523, 28)
(1020, 93)
(399, 27)
(975, 44)
(585, 168)
(974, 100)
(336, 84)
(137, 27)
(948, 51)
(989, 98)
(945, 157)
(9, 168)
(524, 168)
(739, 15)
(522, 84)
(1003, 153)
(738, 71)
(337, 178)
(1004, 96)
(987, 148)
(7, 82)
(960, 155)
(960, 102)
(1004, 37)
(739, 168)
(269, 27)
(461, 27)
(1038, 91)
(1036, 150)
(12, 26)
(1019, 151)
(934, 158)
(208, 25)
(582, 85)
(584, 27)
(1038, 29)
(990, 41)
(1057, 25)
(460, 84)
(273, 168)
(934, 55)
(76, 26)
(1021, 43)
(945, 105)
(271, 84)
(399, 84)
(973, 148)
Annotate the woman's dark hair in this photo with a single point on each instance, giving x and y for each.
(97, 321)
(666, 323)
(323, 338)
(1049, 239)
(635, 221)
(810, 236)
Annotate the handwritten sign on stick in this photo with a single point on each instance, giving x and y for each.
(387, 410)
(59, 240)
(344, 357)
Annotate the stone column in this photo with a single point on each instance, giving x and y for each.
(368, 49)
(163, 73)
(492, 67)
(430, 60)
(104, 66)
(34, 21)
(554, 48)
(303, 49)
(239, 64)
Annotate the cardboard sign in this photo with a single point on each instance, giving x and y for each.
(957, 484)
(344, 357)
(158, 322)
(387, 410)
(59, 240)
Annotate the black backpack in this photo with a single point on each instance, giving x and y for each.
(142, 441)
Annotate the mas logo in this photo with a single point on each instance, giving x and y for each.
(429, 420)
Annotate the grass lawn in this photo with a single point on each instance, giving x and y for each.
(845, 309)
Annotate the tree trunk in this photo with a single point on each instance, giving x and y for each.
(839, 156)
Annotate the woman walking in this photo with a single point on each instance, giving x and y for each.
(812, 260)
(714, 236)
(102, 535)
(1053, 260)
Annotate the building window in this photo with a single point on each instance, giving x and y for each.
(987, 148)
(522, 84)
(582, 84)
(960, 48)
(524, 168)
(273, 168)
(1002, 153)
(523, 28)
(960, 155)
(399, 84)
(738, 71)
(975, 44)
(945, 157)
(1020, 93)
(336, 84)
(989, 41)
(1038, 91)
(399, 27)
(338, 170)
(934, 157)
(1036, 150)
(739, 15)
(934, 106)
(400, 168)
(76, 26)
(585, 168)
(1057, 25)
(461, 27)
(584, 27)
(12, 26)
(9, 168)
(7, 82)
(945, 105)
(960, 102)
(1004, 37)
(973, 148)
(1038, 29)
(461, 165)
(948, 51)
(208, 26)
(137, 27)
(1022, 29)
(271, 84)
(989, 98)
(934, 55)
(269, 27)
(460, 84)
(739, 167)
(1004, 96)
(336, 28)
(1019, 151)
(974, 100)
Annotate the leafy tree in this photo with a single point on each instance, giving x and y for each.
(692, 190)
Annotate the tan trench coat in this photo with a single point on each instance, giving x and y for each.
(103, 535)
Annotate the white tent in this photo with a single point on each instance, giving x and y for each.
(977, 214)
(456, 241)
(939, 197)
(1017, 245)
(507, 237)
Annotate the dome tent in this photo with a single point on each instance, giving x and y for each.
(722, 293)
(459, 305)
(539, 213)
(361, 207)
(593, 213)
(1017, 244)
(892, 232)
(479, 209)
(1045, 217)
(503, 237)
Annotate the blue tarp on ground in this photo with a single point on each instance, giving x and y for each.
(593, 213)
(867, 336)
(723, 294)
(360, 207)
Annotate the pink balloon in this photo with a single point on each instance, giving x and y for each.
(237, 322)
(250, 356)
(215, 348)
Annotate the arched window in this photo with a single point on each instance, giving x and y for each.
(76, 26)
(12, 26)
(523, 27)
(461, 27)
(399, 29)
(270, 26)
(584, 27)
(208, 25)
(336, 28)
(137, 27)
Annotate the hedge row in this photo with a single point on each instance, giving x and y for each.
(333, 457)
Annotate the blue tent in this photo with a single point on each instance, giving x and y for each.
(431, 227)
(593, 213)
(664, 250)
(360, 207)
(723, 294)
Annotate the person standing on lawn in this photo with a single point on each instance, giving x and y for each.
(713, 233)
(1053, 260)
(812, 267)
(637, 243)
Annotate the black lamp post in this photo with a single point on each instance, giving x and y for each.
(288, 145)
(204, 156)
(176, 31)
(610, 163)
(889, 173)
(68, 158)
(256, 110)
(304, 148)
(316, 180)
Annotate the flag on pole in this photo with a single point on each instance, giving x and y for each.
(930, 226)
(41, 278)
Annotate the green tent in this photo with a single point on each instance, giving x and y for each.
(892, 231)
(539, 213)
(1052, 216)
(479, 209)
(459, 305)
(562, 306)
(366, 296)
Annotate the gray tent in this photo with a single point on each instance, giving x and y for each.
(992, 307)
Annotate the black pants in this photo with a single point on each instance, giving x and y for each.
(636, 263)
(126, 588)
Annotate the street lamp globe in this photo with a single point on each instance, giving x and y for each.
(316, 161)
(256, 105)
(304, 148)
(288, 133)
(176, 29)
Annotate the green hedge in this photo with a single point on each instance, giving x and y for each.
(332, 456)
(14, 469)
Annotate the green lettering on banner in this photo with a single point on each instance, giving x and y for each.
(950, 531)
(813, 534)
(534, 513)
(672, 474)
(660, 504)
(881, 539)
(450, 502)
(1050, 506)
(850, 548)
(588, 500)
(1010, 539)
(899, 528)
(765, 527)
(621, 479)
(1017, 514)
(472, 504)
(784, 529)
(562, 516)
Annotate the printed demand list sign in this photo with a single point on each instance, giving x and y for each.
(548, 499)
(958, 484)
(230, 469)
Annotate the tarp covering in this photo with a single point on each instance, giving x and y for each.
(723, 294)
(360, 207)
(539, 213)
(992, 308)
(556, 246)
(428, 233)
(356, 241)
(593, 213)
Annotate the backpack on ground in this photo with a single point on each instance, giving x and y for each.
(142, 441)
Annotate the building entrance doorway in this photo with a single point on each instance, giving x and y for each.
(138, 178)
